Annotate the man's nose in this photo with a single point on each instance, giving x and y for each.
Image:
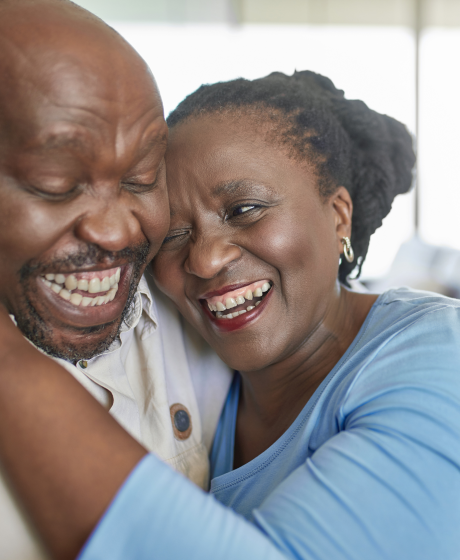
(111, 224)
(209, 255)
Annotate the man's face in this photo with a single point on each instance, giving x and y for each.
(83, 200)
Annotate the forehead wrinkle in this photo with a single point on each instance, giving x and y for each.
(77, 114)
(148, 147)
(154, 142)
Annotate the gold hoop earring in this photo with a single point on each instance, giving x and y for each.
(348, 249)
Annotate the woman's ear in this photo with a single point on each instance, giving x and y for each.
(343, 210)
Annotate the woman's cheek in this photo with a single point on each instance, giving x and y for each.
(169, 277)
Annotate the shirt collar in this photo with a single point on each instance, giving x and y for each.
(142, 301)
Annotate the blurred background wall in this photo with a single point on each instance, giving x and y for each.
(400, 56)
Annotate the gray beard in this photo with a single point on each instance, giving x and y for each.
(41, 334)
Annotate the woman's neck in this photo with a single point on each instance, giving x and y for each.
(272, 398)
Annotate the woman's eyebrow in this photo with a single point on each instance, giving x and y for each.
(232, 187)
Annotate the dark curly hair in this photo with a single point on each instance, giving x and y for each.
(370, 154)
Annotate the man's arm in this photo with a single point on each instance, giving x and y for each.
(34, 445)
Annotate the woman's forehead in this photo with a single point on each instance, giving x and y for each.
(219, 141)
(214, 150)
(210, 164)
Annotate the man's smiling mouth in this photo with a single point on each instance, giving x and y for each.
(240, 301)
(85, 289)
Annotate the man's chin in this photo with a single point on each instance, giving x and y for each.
(64, 329)
(72, 344)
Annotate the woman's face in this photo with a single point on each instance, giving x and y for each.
(248, 221)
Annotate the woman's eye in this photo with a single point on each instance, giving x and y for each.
(140, 188)
(174, 237)
(242, 210)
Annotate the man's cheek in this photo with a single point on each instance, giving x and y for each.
(9, 285)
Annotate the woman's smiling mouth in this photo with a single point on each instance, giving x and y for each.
(242, 302)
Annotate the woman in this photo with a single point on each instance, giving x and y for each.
(340, 437)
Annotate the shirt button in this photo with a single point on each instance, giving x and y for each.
(181, 421)
(83, 364)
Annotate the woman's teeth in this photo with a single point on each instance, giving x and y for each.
(64, 285)
(230, 302)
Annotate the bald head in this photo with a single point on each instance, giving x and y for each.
(47, 31)
(82, 182)
(53, 51)
(43, 21)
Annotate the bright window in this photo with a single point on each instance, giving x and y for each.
(439, 138)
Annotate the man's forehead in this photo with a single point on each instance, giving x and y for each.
(69, 80)
(77, 139)
(47, 49)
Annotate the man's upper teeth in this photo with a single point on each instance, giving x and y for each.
(72, 282)
(231, 302)
(63, 286)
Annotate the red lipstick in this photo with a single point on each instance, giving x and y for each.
(230, 325)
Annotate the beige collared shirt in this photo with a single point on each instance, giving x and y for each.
(158, 366)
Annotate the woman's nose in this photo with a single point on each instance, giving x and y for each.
(110, 224)
(208, 257)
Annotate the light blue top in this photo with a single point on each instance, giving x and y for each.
(369, 470)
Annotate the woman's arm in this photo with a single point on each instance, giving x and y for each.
(387, 486)
(59, 447)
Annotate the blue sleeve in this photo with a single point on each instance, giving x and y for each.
(386, 487)
(159, 515)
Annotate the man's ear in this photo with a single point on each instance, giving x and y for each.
(343, 211)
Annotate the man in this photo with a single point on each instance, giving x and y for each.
(84, 208)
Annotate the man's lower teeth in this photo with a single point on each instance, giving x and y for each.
(77, 299)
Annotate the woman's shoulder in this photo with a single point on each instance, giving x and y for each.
(407, 302)
(411, 345)
(405, 315)
(416, 298)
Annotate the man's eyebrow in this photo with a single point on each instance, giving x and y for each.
(56, 141)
